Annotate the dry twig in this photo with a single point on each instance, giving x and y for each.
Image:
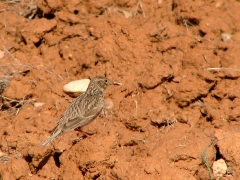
(221, 69)
(141, 7)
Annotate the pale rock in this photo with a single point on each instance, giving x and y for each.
(1, 54)
(76, 86)
(226, 37)
(219, 168)
(38, 104)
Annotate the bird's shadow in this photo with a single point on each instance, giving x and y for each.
(44, 161)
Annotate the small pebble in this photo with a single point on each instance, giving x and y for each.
(1, 54)
(149, 170)
(219, 168)
(1, 154)
(38, 104)
(226, 37)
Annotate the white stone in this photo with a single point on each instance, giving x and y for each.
(38, 104)
(1, 154)
(76, 86)
(1, 54)
(219, 168)
(226, 37)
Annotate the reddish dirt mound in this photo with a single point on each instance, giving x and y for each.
(177, 112)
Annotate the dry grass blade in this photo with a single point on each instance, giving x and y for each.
(13, 57)
(11, 104)
(12, 2)
(27, 8)
(222, 69)
(139, 5)
(205, 160)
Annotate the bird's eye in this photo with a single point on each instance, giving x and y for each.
(106, 81)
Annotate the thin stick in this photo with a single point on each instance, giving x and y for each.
(141, 6)
(11, 2)
(67, 73)
(204, 57)
(205, 160)
(136, 104)
(136, 9)
(6, 76)
(58, 75)
(185, 23)
(222, 68)
(199, 103)
(8, 99)
(19, 102)
(6, 50)
(139, 139)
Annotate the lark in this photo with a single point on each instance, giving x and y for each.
(82, 110)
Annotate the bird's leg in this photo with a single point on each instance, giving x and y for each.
(104, 114)
(84, 132)
(108, 105)
(85, 135)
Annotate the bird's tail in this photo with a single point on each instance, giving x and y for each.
(50, 139)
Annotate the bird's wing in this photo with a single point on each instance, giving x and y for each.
(88, 117)
(72, 111)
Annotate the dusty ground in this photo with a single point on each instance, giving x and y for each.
(177, 112)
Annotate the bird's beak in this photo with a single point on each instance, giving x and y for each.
(115, 83)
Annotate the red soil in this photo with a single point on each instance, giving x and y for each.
(170, 108)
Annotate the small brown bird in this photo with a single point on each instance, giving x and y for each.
(82, 110)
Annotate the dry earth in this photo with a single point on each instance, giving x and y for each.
(177, 112)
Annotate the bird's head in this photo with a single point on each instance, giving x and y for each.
(100, 83)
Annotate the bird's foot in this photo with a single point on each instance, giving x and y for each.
(85, 135)
(105, 112)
